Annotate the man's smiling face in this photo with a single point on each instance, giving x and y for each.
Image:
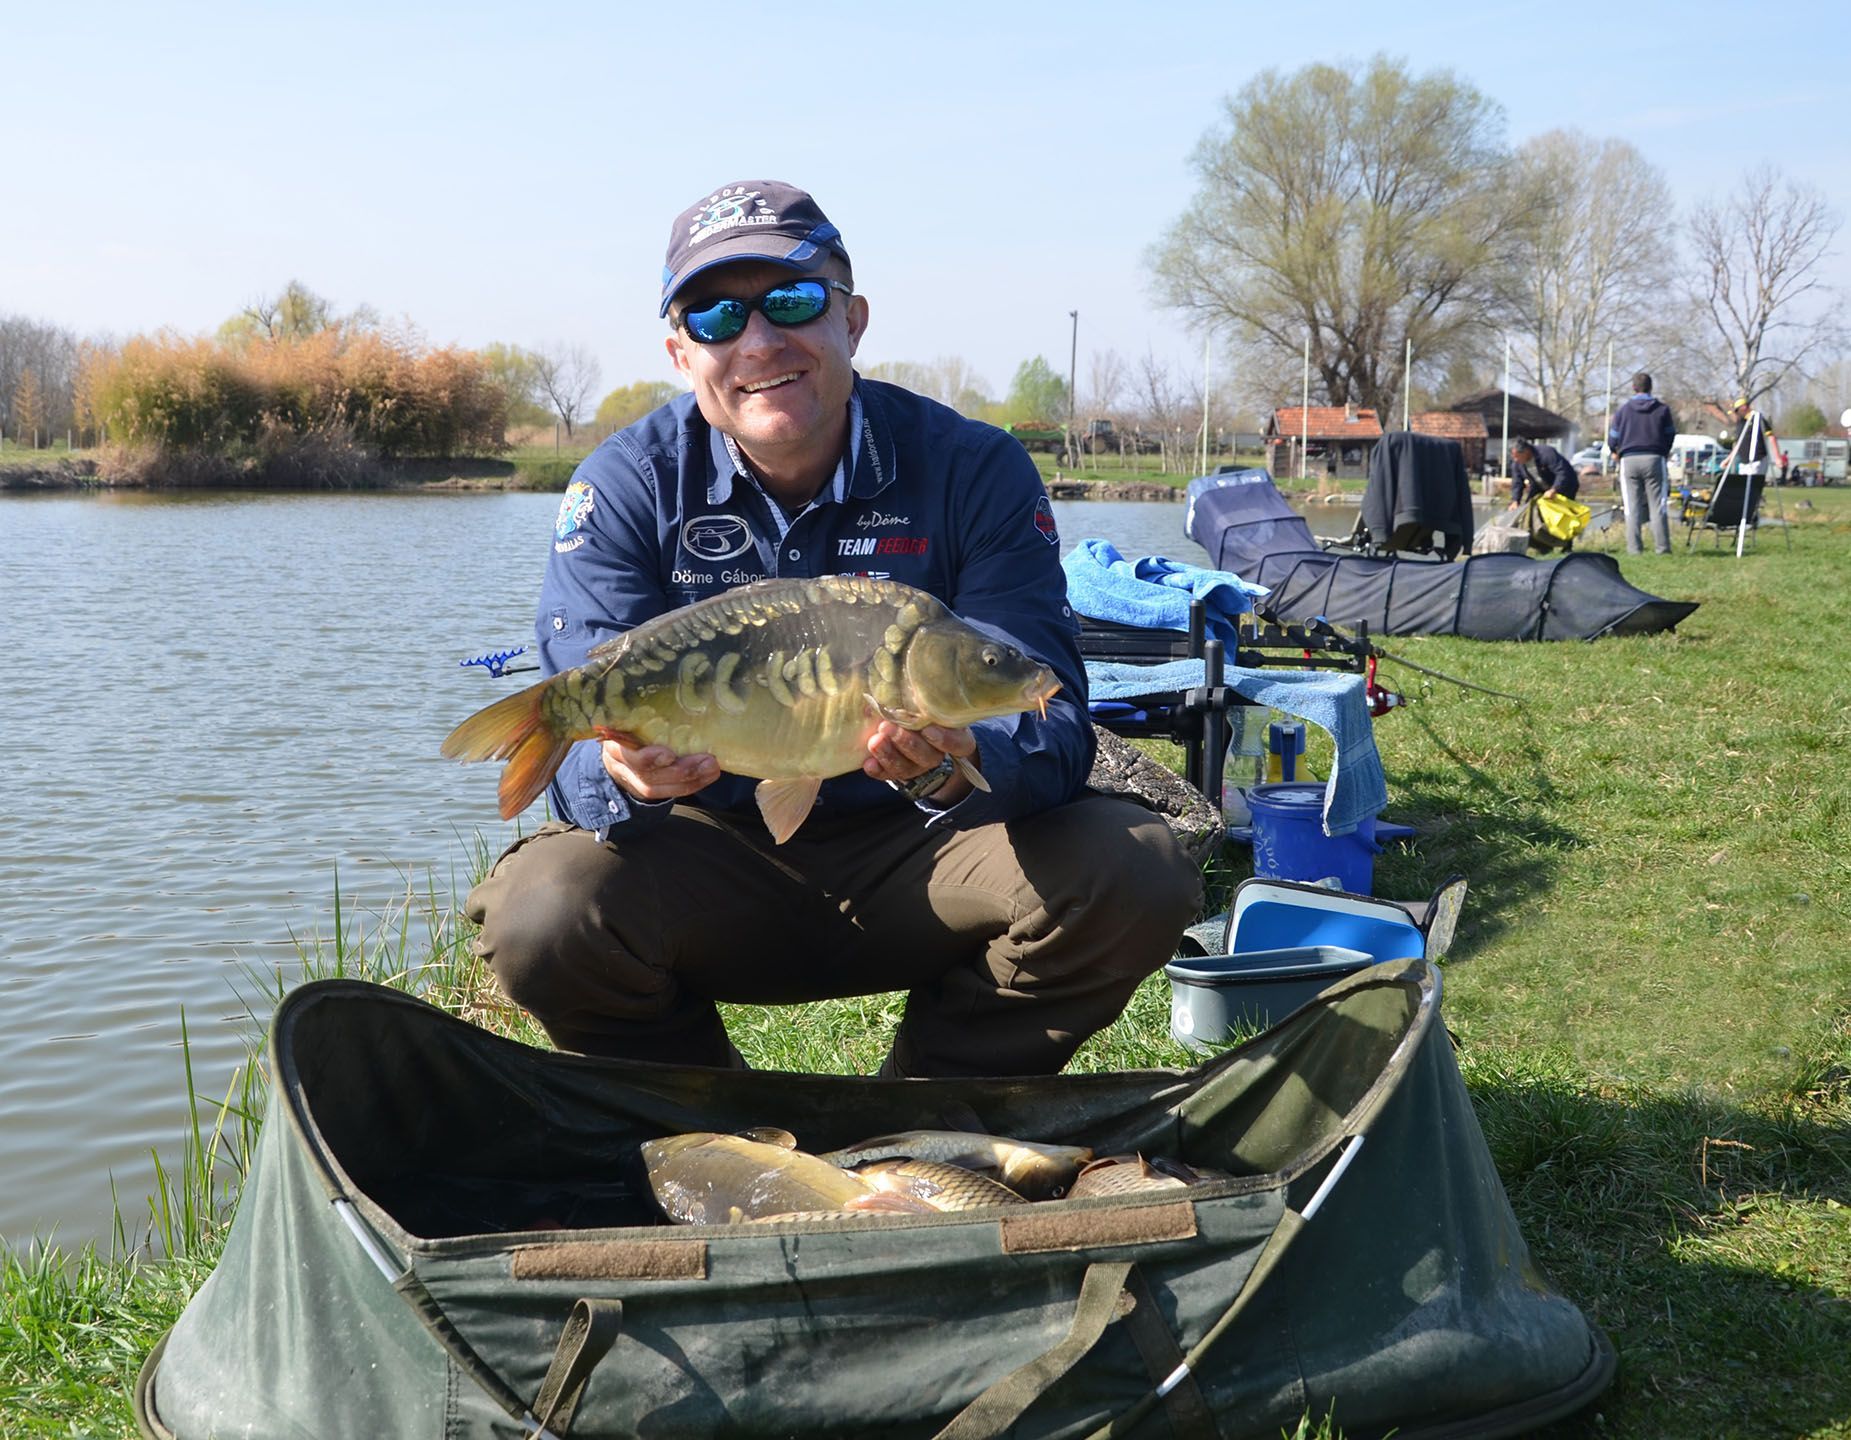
(780, 392)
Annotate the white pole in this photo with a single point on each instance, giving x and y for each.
(1608, 430)
(1407, 387)
(1304, 412)
(1208, 345)
(1754, 453)
(1504, 450)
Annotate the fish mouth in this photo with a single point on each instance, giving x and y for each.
(1041, 698)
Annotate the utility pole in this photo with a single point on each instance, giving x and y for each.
(1073, 374)
(1604, 433)
(1304, 412)
(1407, 386)
(1208, 344)
(1504, 455)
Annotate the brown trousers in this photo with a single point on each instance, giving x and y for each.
(1015, 941)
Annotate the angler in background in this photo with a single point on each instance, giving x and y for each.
(1642, 434)
(1754, 443)
(1021, 916)
(1537, 469)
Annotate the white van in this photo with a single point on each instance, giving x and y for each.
(1693, 456)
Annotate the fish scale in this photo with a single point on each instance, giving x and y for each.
(782, 680)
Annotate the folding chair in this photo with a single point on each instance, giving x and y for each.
(1196, 718)
(1722, 512)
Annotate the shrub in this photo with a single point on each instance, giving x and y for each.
(330, 400)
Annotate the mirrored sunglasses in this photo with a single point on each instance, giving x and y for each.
(795, 302)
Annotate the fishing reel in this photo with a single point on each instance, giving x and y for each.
(1381, 699)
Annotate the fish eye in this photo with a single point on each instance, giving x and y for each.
(992, 656)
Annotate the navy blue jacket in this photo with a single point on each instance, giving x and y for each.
(1552, 469)
(658, 517)
(1644, 425)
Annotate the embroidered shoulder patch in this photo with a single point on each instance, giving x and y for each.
(1044, 521)
(574, 509)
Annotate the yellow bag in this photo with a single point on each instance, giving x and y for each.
(1562, 517)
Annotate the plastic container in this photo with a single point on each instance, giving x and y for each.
(1289, 842)
(1212, 996)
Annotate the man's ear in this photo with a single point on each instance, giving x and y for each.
(857, 321)
(676, 355)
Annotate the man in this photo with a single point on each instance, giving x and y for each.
(1020, 919)
(1642, 434)
(1755, 441)
(1553, 474)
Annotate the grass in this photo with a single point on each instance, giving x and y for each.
(1650, 991)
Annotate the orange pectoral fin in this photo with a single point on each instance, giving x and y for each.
(785, 804)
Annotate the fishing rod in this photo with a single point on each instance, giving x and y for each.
(1318, 625)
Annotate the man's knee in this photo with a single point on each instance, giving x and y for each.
(537, 912)
(1133, 877)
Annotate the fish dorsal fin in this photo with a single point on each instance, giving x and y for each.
(785, 804)
(769, 1135)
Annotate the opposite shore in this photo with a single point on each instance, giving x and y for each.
(77, 473)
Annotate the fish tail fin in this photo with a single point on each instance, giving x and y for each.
(515, 729)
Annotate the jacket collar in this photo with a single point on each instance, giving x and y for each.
(871, 463)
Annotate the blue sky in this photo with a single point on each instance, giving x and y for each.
(509, 172)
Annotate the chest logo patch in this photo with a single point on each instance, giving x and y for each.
(716, 537)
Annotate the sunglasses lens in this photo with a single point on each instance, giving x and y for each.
(795, 304)
(721, 320)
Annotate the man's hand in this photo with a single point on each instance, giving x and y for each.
(655, 772)
(899, 755)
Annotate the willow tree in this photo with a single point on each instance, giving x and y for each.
(1358, 210)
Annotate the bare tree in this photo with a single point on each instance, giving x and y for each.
(949, 379)
(43, 358)
(567, 376)
(1755, 278)
(1360, 211)
(1165, 410)
(1592, 262)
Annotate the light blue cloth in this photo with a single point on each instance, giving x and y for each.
(1154, 593)
(1334, 702)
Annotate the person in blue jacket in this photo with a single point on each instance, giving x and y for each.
(1642, 433)
(1019, 920)
(1538, 469)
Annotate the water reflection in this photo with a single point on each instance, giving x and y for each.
(217, 706)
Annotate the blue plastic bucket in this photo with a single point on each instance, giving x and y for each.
(1289, 842)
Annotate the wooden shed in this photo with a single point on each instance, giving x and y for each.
(1527, 419)
(1338, 440)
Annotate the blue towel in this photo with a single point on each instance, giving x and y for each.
(1154, 593)
(1334, 702)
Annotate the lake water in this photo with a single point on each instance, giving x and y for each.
(212, 707)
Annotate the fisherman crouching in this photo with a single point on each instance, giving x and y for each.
(1020, 919)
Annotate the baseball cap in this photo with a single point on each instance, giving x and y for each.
(1741, 403)
(750, 220)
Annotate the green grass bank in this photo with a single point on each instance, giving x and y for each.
(1650, 991)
